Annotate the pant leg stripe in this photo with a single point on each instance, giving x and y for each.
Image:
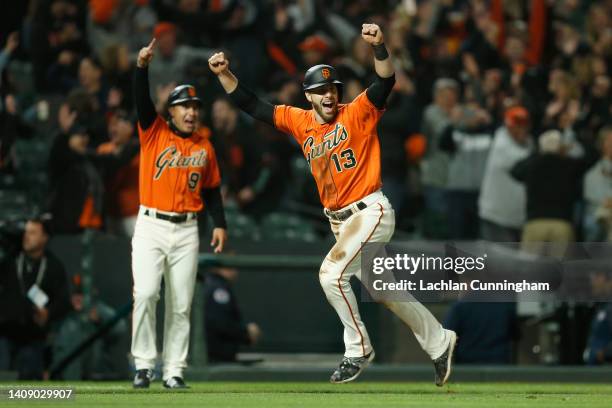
(342, 273)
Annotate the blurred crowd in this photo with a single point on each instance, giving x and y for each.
(498, 126)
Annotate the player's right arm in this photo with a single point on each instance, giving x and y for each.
(242, 96)
(144, 105)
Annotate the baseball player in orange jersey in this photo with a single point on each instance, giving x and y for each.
(178, 167)
(341, 146)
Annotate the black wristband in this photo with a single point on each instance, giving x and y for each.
(380, 52)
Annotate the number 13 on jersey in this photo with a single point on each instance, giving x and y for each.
(346, 160)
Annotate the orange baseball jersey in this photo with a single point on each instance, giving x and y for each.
(173, 170)
(343, 155)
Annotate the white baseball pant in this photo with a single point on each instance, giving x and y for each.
(375, 223)
(170, 250)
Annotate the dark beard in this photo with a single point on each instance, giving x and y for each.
(319, 110)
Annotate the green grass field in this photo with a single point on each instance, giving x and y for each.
(319, 395)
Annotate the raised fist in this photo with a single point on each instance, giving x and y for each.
(372, 34)
(218, 63)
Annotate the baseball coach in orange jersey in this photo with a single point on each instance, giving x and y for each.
(178, 176)
(340, 144)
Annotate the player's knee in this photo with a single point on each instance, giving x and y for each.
(181, 310)
(330, 275)
(146, 295)
(325, 279)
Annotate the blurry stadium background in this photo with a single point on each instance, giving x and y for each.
(469, 72)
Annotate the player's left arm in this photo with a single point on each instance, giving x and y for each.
(214, 204)
(385, 73)
(211, 194)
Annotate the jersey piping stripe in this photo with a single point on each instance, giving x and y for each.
(342, 273)
(331, 175)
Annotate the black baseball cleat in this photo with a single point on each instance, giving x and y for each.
(175, 383)
(350, 368)
(443, 364)
(143, 378)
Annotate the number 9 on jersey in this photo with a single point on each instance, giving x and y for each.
(193, 180)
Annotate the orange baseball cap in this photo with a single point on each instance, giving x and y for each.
(314, 43)
(516, 116)
(163, 28)
(102, 10)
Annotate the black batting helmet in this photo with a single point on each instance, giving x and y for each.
(182, 94)
(320, 75)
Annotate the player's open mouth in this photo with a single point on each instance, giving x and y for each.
(328, 107)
